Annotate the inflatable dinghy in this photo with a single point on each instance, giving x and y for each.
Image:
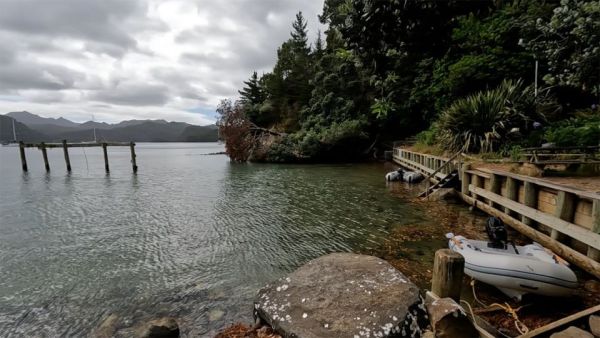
(404, 175)
(515, 270)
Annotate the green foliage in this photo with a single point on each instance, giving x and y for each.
(569, 42)
(481, 122)
(387, 69)
(579, 131)
(429, 137)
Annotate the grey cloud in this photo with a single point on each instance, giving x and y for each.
(134, 95)
(56, 50)
(90, 20)
(31, 75)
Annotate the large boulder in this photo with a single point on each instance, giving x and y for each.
(343, 295)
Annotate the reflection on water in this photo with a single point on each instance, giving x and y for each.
(191, 236)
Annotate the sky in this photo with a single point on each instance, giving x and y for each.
(138, 59)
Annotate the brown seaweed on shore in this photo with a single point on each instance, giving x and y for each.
(240, 330)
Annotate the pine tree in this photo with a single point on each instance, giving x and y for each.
(319, 48)
(300, 35)
(253, 93)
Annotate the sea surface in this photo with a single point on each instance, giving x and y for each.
(191, 235)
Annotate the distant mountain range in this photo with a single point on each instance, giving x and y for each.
(34, 128)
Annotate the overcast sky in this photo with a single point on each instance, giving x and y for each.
(137, 59)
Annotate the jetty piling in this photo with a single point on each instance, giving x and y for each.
(448, 271)
(105, 152)
(45, 155)
(66, 152)
(133, 161)
(23, 158)
(65, 146)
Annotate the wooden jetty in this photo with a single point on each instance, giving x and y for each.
(564, 219)
(65, 146)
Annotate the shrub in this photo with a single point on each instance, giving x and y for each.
(481, 122)
(429, 136)
(578, 131)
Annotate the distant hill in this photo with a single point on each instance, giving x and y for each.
(30, 119)
(24, 133)
(54, 130)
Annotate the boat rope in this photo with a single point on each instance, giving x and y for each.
(519, 325)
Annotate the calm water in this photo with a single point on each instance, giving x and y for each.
(191, 235)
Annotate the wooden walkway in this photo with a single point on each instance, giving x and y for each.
(561, 218)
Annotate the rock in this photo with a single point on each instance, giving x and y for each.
(448, 319)
(161, 327)
(215, 314)
(343, 295)
(572, 332)
(107, 328)
(442, 194)
(594, 322)
(530, 169)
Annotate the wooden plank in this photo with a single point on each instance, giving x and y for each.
(575, 231)
(562, 250)
(544, 183)
(77, 145)
(561, 322)
(565, 208)
(594, 253)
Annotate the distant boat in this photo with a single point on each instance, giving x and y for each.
(14, 141)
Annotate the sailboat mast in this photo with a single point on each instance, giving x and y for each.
(14, 131)
(94, 120)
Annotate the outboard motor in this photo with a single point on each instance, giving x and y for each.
(496, 231)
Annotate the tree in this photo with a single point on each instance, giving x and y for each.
(569, 42)
(252, 94)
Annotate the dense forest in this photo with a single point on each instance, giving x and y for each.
(460, 75)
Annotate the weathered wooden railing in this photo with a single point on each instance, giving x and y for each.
(65, 147)
(563, 219)
(428, 164)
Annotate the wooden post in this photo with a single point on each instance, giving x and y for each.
(66, 152)
(495, 187)
(475, 181)
(565, 209)
(465, 180)
(448, 269)
(594, 253)
(45, 156)
(512, 192)
(23, 158)
(531, 196)
(104, 150)
(133, 163)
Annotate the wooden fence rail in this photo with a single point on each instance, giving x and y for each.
(65, 146)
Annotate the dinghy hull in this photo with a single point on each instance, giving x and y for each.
(516, 270)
